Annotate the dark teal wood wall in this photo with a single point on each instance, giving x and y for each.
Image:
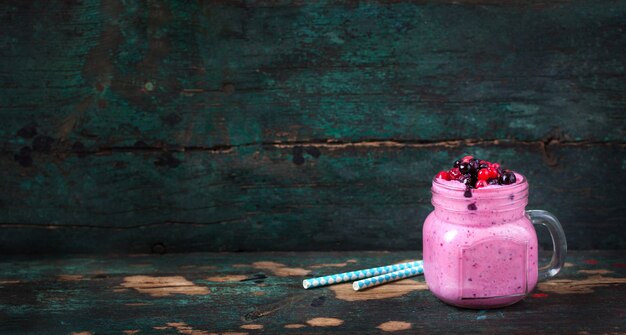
(131, 126)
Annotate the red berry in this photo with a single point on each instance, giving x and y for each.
(443, 175)
(483, 174)
(466, 158)
(493, 173)
(454, 173)
(481, 183)
(495, 166)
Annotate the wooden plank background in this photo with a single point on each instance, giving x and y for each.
(287, 125)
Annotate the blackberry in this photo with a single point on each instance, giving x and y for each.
(464, 167)
(474, 164)
(512, 177)
(456, 163)
(507, 178)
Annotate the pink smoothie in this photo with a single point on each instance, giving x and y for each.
(480, 252)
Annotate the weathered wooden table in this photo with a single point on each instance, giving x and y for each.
(254, 293)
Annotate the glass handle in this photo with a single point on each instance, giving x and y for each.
(548, 220)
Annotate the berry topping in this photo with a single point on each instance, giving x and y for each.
(466, 179)
(454, 173)
(481, 183)
(477, 173)
(464, 167)
(444, 175)
(474, 164)
(493, 173)
(507, 178)
(483, 174)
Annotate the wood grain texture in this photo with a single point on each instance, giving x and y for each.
(259, 199)
(203, 75)
(33, 300)
(285, 125)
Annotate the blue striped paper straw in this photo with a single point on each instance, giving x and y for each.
(389, 277)
(359, 274)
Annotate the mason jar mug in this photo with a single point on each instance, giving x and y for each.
(480, 249)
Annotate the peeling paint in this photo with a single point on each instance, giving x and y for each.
(294, 326)
(176, 324)
(279, 269)
(389, 290)
(324, 322)
(221, 279)
(267, 265)
(596, 272)
(571, 286)
(69, 277)
(163, 286)
(392, 326)
(183, 328)
(333, 265)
